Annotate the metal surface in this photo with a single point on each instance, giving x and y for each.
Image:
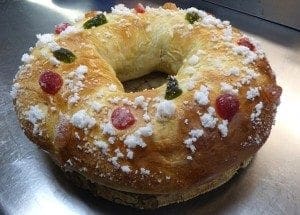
(31, 184)
(283, 12)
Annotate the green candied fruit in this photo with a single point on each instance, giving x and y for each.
(64, 55)
(192, 17)
(100, 19)
(173, 89)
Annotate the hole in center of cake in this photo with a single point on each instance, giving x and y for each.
(152, 80)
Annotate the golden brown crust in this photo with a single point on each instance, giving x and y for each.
(69, 124)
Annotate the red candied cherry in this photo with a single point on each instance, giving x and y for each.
(61, 27)
(244, 41)
(227, 105)
(122, 118)
(50, 82)
(139, 8)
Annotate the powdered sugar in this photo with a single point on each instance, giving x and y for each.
(81, 71)
(102, 145)
(227, 88)
(126, 101)
(35, 115)
(126, 169)
(194, 135)
(96, 106)
(165, 109)
(73, 98)
(193, 60)
(144, 171)
(14, 90)
(257, 111)
(114, 161)
(227, 34)
(201, 96)
(70, 30)
(44, 39)
(249, 55)
(53, 46)
(252, 93)
(250, 75)
(257, 45)
(120, 9)
(53, 60)
(146, 117)
(210, 21)
(132, 141)
(233, 71)
(108, 129)
(47, 40)
(140, 102)
(129, 154)
(145, 131)
(75, 84)
(208, 120)
(118, 153)
(82, 120)
(190, 70)
(112, 88)
(26, 58)
(111, 140)
(223, 128)
(114, 100)
(135, 139)
(201, 13)
(190, 85)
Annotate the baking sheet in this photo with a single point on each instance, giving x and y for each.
(31, 184)
(283, 12)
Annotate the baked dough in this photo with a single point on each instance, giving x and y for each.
(172, 142)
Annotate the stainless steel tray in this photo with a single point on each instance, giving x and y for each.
(31, 184)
